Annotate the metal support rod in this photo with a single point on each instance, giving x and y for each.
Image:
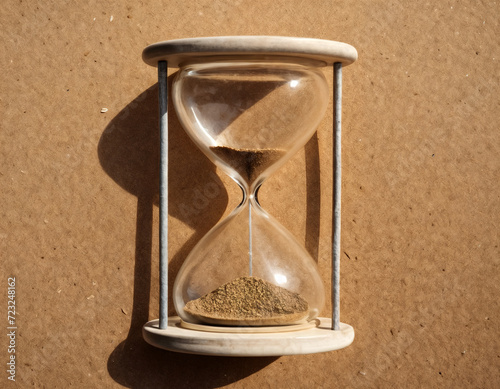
(337, 181)
(163, 98)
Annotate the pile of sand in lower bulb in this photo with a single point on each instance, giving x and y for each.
(248, 301)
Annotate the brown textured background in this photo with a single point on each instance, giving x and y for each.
(79, 217)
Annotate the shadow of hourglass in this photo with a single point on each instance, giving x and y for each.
(129, 153)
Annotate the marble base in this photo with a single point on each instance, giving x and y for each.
(307, 341)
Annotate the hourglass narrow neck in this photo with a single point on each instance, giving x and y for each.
(249, 195)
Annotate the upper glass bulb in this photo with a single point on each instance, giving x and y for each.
(250, 116)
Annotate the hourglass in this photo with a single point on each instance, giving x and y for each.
(248, 288)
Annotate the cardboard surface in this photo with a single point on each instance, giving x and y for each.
(79, 217)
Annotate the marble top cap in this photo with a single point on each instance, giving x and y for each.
(179, 51)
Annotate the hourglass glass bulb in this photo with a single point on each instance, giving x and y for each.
(249, 117)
